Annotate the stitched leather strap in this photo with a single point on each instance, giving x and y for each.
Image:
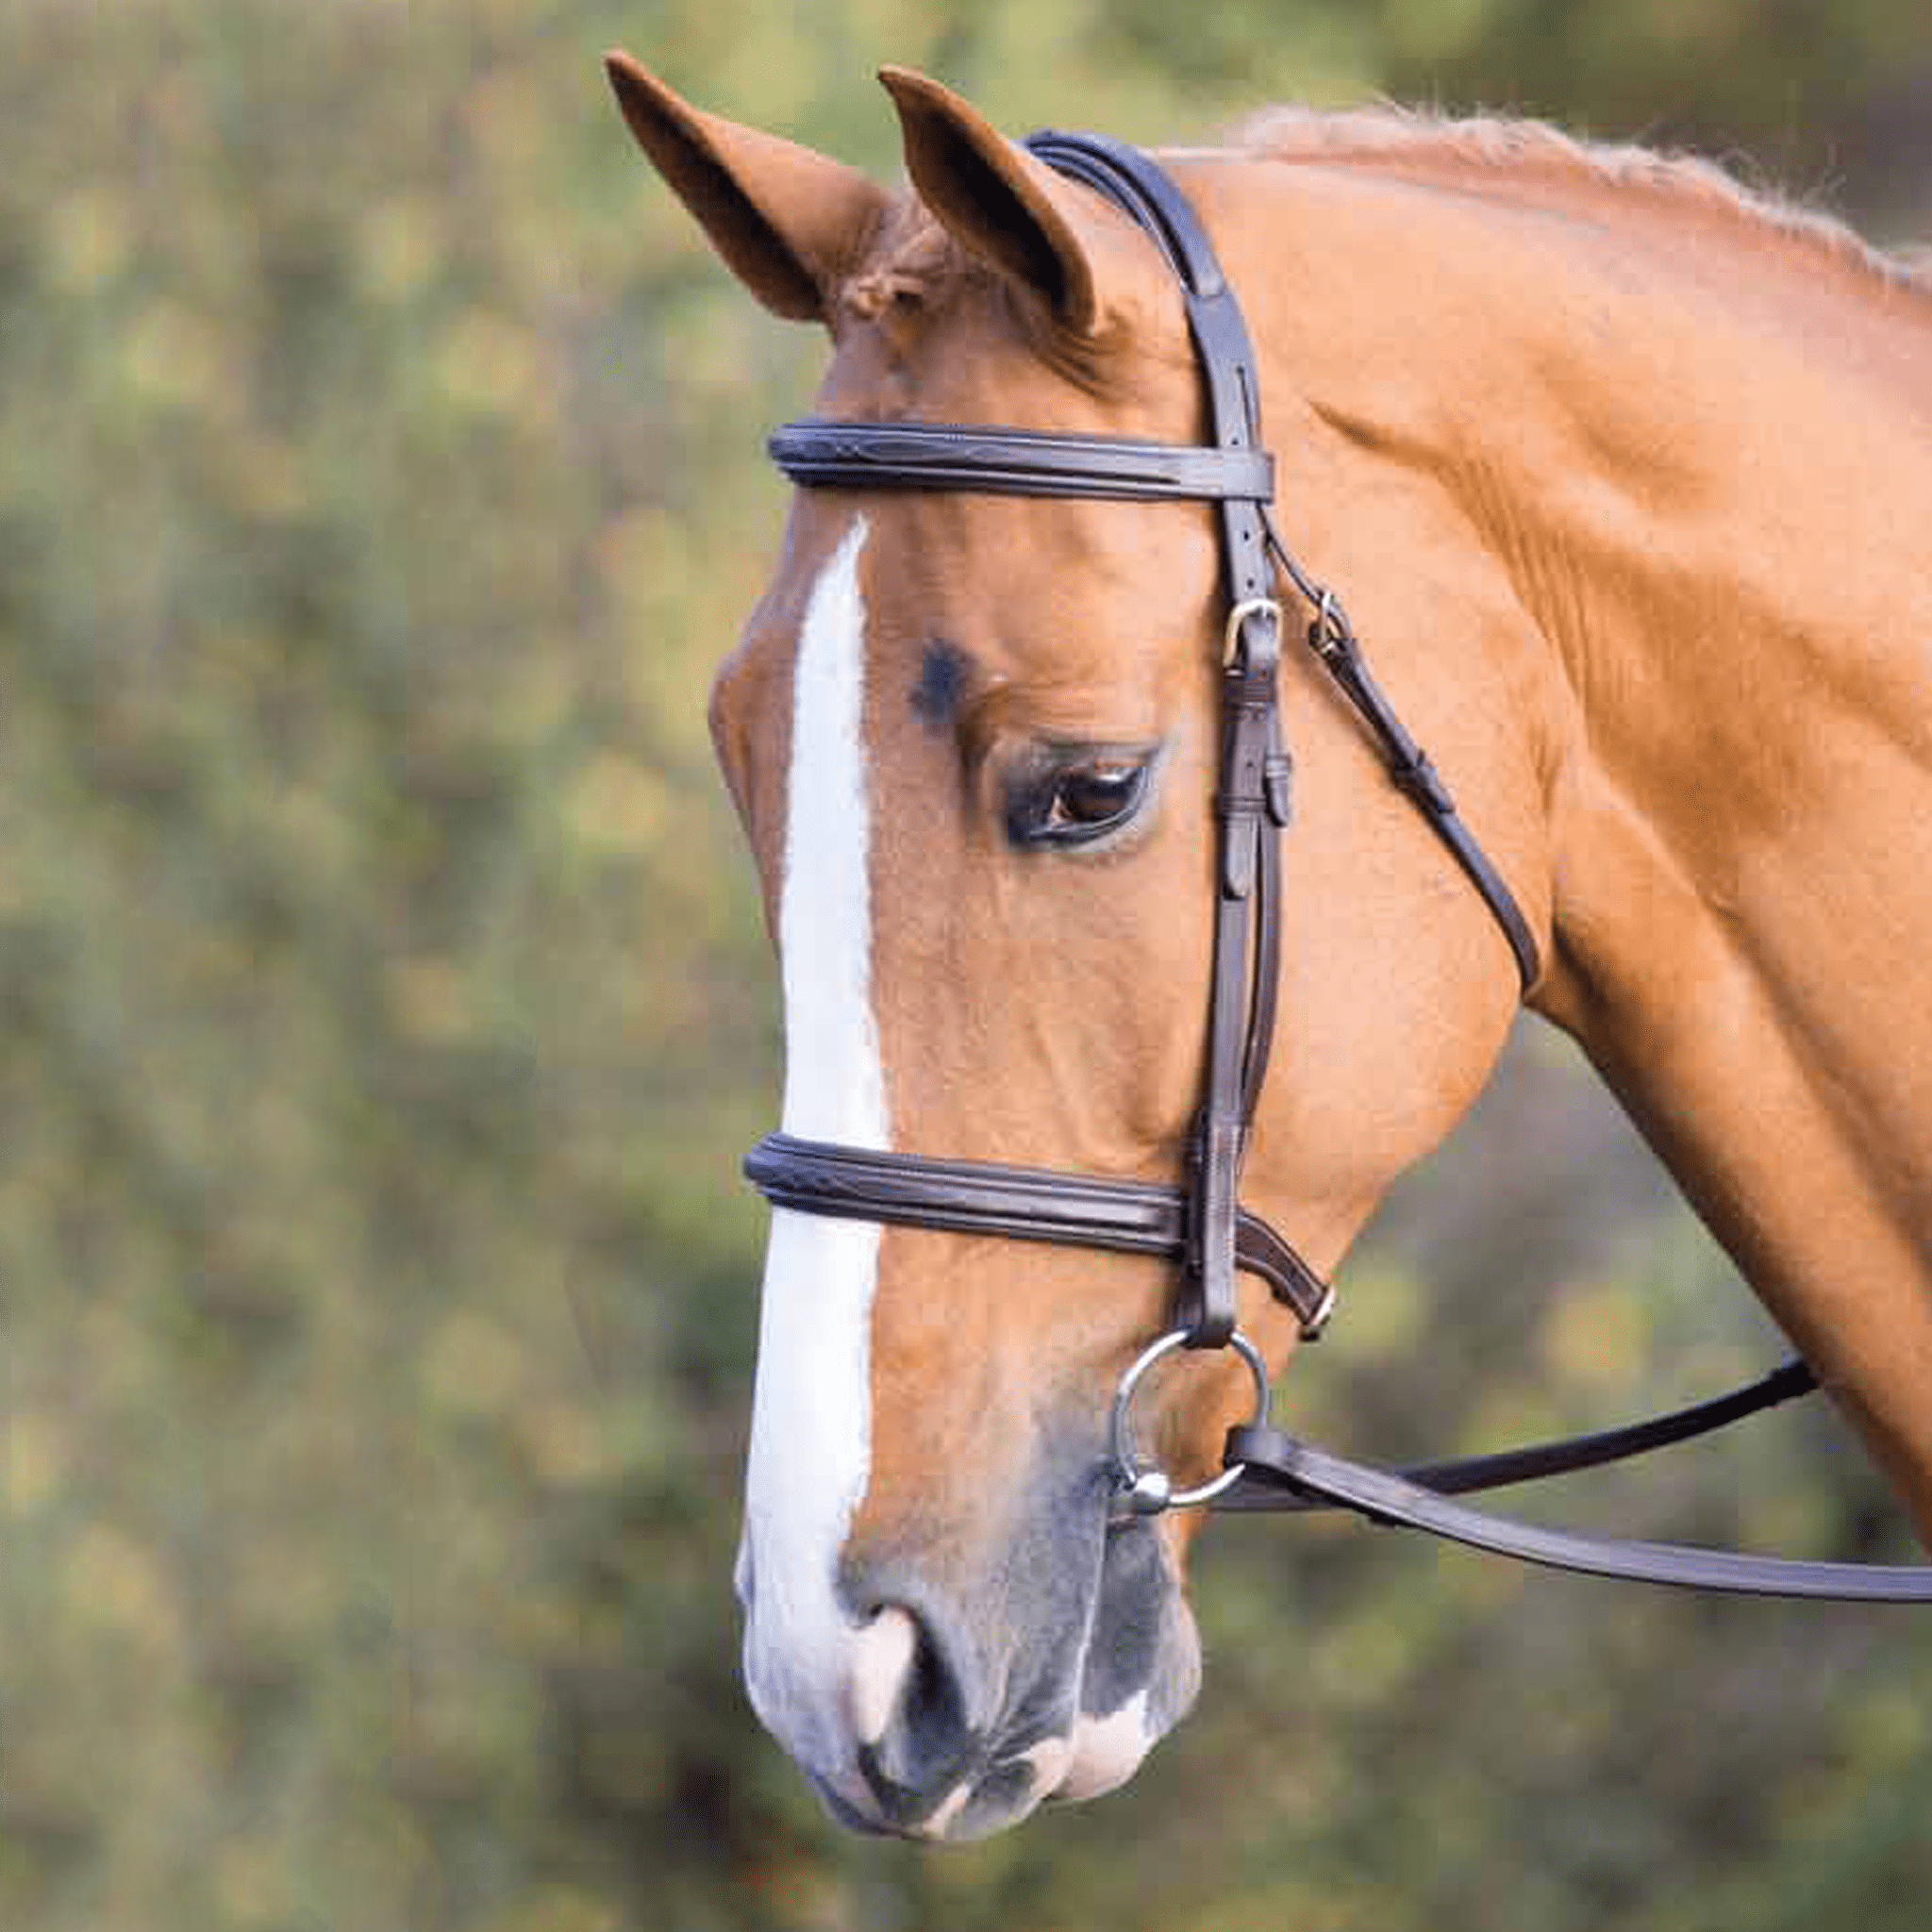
(1013, 463)
(1032, 1204)
(1533, 1461)
(1249, 804)
(1383, 1496)
(1332, 638)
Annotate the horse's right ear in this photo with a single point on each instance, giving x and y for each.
(790, 223)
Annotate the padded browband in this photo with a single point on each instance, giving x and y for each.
(1019, 1204)
(1015, 462)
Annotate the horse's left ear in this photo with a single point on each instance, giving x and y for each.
(1011, 211)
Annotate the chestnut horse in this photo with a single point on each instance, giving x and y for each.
(1627, 477)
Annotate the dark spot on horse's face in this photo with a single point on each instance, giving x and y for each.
(941, 684)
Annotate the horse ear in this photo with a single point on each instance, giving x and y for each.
(1000, 205)
(790, 223)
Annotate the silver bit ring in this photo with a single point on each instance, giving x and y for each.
(1147, 1491)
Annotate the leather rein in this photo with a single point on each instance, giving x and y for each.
(1201, 1225)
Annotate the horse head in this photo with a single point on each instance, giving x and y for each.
(973, 742)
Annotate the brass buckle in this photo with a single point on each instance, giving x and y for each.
(1247, 607)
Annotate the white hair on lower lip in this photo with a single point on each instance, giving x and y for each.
(1107, 1751)
(811, 1415)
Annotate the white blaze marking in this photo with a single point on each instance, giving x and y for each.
(812, 1414)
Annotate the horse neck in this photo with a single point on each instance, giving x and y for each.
(1697, 460)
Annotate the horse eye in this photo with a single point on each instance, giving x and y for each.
(1097, 794)
(1072, 804)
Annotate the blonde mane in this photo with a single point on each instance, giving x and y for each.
(1536, 149)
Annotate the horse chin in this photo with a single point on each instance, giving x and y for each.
(1114, 1732)
(1138, 1677)
(1105, 1751)
(1099, 1756)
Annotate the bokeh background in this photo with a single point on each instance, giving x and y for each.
(383, 1004)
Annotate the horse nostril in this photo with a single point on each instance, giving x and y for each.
(883, 1657)
(907, 1712)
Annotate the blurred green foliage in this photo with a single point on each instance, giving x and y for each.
(384, 1001)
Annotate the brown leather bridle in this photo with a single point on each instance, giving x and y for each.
(1201, 1225)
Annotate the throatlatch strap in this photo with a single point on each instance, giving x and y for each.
(1332, 638)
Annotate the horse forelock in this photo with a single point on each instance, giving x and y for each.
(910, 258)
(912, 269)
